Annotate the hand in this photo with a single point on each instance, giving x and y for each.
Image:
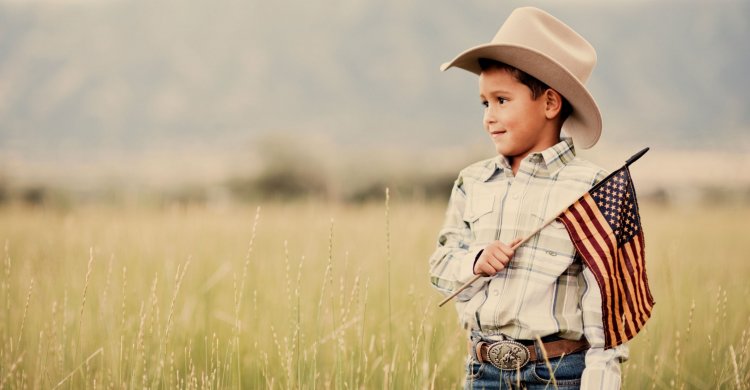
(494, 258)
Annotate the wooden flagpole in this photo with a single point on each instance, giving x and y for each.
(542, 226)
(476, 277)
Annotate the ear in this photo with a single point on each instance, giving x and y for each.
(553, 103)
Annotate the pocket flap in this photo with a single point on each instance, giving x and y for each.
(480, 203)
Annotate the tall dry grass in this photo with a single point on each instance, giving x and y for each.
(314, 296)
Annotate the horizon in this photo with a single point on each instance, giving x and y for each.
(134, 92)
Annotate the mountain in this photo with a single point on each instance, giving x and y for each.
(83, 81)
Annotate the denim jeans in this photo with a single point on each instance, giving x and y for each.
(534, 375)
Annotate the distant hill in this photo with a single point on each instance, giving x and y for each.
(91, 80)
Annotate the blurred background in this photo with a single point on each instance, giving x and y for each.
(139, 140)
(214, 102)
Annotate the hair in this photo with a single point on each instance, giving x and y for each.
(535, 85)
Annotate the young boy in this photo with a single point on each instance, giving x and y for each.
(531, 84)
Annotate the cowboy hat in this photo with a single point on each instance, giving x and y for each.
(546, 48)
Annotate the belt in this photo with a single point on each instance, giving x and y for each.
(514, 354)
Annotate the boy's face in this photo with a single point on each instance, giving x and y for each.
(517, 124)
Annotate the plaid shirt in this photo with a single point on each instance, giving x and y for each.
(545, 288)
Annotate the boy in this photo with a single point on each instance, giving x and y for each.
(531, 84)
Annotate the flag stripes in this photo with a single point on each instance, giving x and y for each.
(605, 228)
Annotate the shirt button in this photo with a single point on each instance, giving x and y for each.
(496, 292)
(552, 253)
(516, 196)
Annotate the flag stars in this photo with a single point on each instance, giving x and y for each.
(615, 200)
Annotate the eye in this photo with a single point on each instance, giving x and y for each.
(502, 100)
(485, 103)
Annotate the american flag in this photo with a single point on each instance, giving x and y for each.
(605, 228)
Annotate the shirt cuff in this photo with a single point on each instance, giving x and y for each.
(603, 368)
(466, 270)
(600, 378)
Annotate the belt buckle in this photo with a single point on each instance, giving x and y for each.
(508, 355)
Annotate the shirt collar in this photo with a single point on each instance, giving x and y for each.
(558, 155)
(553, 158)
(499, 163)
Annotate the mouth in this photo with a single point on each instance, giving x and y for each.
(497, 133)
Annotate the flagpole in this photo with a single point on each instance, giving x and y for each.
(543, 225)
(629, 161)
(476, 277)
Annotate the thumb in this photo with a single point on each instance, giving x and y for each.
(515, 242)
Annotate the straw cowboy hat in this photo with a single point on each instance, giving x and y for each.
(546, 48)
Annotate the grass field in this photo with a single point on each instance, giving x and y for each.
(313, 295)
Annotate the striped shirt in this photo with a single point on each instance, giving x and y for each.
(545, 288)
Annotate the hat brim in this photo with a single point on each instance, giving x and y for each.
(584, 124)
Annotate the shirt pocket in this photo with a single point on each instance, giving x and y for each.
(554, 239)
(555, 227)
(480, 203)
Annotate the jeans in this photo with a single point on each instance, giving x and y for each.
(534, 375)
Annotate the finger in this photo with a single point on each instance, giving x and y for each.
(495, 254)
(498, 256)
(488, 270)
(515, 242)
(478, 266)
(505, 249)
(497, 264)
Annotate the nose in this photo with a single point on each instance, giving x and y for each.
(490, 116)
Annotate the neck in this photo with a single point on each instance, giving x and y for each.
(515, 161)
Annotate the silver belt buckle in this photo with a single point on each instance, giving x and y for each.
(508, 355)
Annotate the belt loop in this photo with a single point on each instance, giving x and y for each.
(476, 351)
(474, 339)
(538, 345)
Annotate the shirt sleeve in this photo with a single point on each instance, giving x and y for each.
(452, 262)
(602, 366)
